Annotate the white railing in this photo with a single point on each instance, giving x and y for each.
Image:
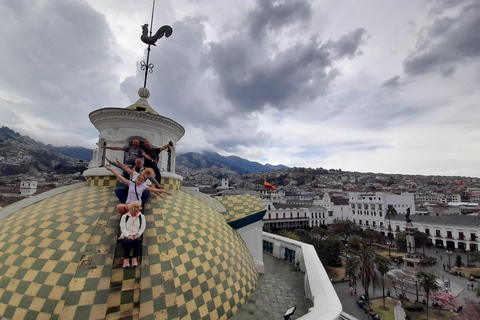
(318, 288)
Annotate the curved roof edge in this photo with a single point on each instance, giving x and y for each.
(8, 210)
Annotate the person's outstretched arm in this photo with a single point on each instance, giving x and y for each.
(113, 163)
(125, 167)
(126, 181)
(113, 148)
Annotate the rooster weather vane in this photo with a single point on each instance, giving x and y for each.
(151, 40)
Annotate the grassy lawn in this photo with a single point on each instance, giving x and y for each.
(387, 312)
(336, 273)
(466, 271)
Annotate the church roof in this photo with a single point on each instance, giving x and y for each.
(58, 260)
(142, 105)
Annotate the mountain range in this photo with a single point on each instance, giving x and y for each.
(191, 160)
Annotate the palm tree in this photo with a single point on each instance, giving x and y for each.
(366, 261)
(427, 280)
(383, 269)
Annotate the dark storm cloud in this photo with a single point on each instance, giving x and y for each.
(447, 43)
(61, 53)
(274, 15)
(301, 72)
(215, 86)
(347, 45)
(392, 83)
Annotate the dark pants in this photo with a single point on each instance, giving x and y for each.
(128, 244)
(122, 194)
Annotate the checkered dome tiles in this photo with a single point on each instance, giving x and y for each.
(44, 256)
(241, 206)
(56, 258)
(198, 266)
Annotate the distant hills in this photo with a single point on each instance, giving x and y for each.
(76, 152)
(208, 160)
(52, 156)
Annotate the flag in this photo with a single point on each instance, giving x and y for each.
(268, 186)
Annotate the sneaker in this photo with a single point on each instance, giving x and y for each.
(134, 263)
(126, 264)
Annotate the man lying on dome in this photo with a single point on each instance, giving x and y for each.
(135, 189)
(132, 226)
(134, 171)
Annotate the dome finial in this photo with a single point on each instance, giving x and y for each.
(150, 40)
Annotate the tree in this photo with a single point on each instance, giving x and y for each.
(371, 236)
(444, 299)
(319, 232)
(401, 239)
(427, 280)
(383, 269)
(471, 311)
(475, 256)
(421, 240)
(354, 243)
(329, 251)
(366, 261)
(344, 228)
(400, 282)
(458, 260)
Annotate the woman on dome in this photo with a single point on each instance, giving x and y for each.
(135, 190)
(132, 226)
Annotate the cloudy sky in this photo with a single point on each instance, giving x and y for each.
(372, 86)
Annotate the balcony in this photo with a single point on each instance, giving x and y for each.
(318, 288)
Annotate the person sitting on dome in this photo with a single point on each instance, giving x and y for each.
(132, 226)
(135, 190)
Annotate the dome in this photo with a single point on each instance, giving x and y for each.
(60, 260)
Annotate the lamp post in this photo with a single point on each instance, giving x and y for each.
(416, 288)
(389, 246)
(467, 250)
(449, 252)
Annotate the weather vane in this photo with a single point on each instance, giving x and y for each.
(150, 40)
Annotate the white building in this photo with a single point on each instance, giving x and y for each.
(368, 210)
(454, 231)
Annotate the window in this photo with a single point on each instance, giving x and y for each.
(374, 224)
(365, 206)
(437, 233)
(359, 221)
(284, 215)
(461, 236)
(353, 211)
(359, 206)
(449, 234)
(366, 222)
(353, 205)
(380, 207)
(427, 232)
(372, 207)
(398, 229)
(330, 213)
